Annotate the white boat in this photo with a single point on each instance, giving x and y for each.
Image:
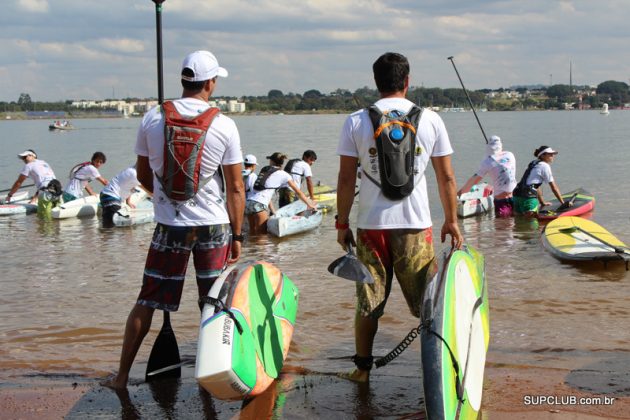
(478, 200)
(61, 126)
(604, 110)
(81, 207)
(142, 213)
(293, 219)
(19, 204)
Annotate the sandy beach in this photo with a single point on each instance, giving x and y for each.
(299, 394)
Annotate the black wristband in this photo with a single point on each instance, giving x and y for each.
(238, 238)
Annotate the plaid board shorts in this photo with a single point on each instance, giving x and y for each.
(167, 260)
(407, 253)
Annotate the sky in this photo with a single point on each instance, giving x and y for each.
(88, 49)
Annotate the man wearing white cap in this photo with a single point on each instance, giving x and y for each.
(48, 188)
(500, 165)
(249, 174)
(206, 223)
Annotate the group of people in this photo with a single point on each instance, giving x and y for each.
(287, 181)
(394, 234)
(526, 196)
(50, 192)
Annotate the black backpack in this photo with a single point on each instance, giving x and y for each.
(395, 135)
(522, 189)
(263, 175)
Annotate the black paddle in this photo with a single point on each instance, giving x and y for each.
(567, 204)
(23, 186)
(468, 97)
(571, 229)
(164, 360)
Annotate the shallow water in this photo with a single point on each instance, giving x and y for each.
(67, 286)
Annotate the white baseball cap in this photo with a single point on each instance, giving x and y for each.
(548, 150)
(250, 160)
(204, 66)
(28, 152)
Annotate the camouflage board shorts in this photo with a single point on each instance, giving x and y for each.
(406, 253)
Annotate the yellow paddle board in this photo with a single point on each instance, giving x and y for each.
(578, 239)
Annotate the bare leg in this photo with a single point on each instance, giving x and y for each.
(258, 222)
(137, 327)
(365, 329)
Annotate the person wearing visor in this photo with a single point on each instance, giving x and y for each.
(528, 195)
(48, 187)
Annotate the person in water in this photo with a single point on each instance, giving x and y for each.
(528, 195)
(300, 169)
(82, 174)
(394, 236)
(118, 189)
(249, 174)
(270, 179)
(48, 191)
(500, 166)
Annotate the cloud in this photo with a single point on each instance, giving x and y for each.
(35, 6)
(123, 45)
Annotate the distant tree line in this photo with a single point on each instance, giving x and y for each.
(613, 93)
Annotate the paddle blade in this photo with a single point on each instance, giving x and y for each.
(164, 354)
(350, 268)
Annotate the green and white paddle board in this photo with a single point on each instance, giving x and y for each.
(455, 336)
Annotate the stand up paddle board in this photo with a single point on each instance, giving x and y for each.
(455, 334)
(19, 204)
(578, 239)
(478, 200)
(581, 201)
(81, 207)
(246, 327)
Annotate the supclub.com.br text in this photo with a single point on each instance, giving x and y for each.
(567, 400)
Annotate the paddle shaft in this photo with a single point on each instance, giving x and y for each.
(616, 248)
(166, 332)
(485, 138)
(22, 186)
(158, 34)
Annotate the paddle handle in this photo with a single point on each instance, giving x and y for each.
(617, 249)
(22, 186)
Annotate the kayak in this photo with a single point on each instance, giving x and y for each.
(17, 208)
(19, 204)
(326, 199)
(454, 336)
(288, 221)
(246, 327)
(582, 202)
(578, 239)
(85, 206)
(142, 213)
(478, 200)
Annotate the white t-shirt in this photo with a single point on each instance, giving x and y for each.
(121, 185)
(40, 172)
(222, 147)
(249, 179)
(501, 167)
(278, 179)
(80, 179)
(357, 140)
(540, 174)
(299, 171)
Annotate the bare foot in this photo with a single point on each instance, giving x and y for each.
(114, 382)
(356, 375)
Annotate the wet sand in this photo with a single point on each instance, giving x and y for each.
(299, 394)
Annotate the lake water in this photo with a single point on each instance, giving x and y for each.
(67, 286)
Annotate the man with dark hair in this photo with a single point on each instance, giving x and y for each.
(208, 222)
(394, 233)
(298, 169)
(82, 174)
